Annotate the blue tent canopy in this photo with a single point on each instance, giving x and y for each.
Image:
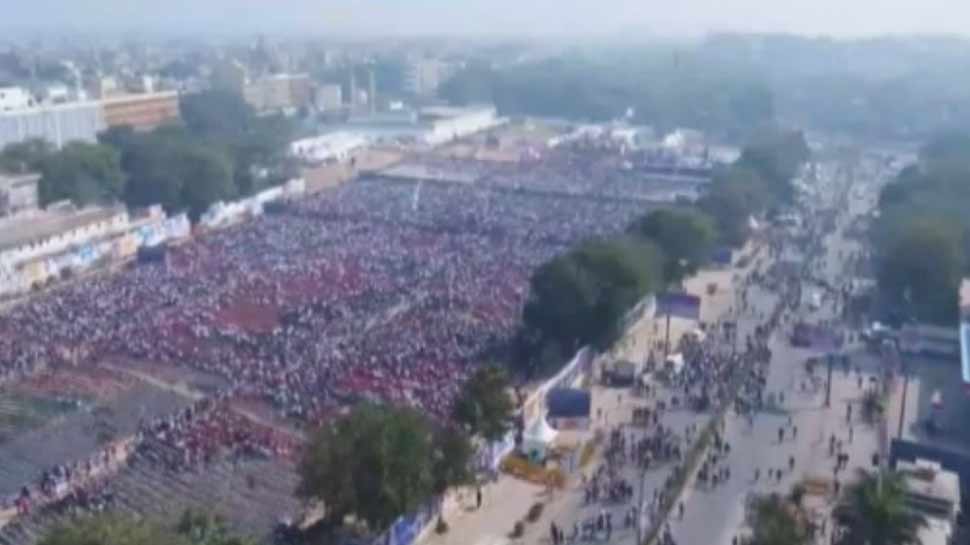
(568, 403)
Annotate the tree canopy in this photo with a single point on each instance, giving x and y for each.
(762, 178)
(876, 512)
(579, 298)
(484, 407)
(379, 462)
(82, 172)
(922, 236)
(663, 89)
(685, 235)
(776, 521)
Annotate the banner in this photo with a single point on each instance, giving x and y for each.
(679, 305)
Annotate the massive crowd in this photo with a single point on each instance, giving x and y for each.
(375, 290)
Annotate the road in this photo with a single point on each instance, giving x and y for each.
(716, 515)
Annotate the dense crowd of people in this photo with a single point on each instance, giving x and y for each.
(374, 290)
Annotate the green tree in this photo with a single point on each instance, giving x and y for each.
(686, 237)
(920, 269)
(82, 172)
(876, 511)
(25, 156)
(453, 455)
(377, 463)
(581, 297)
(215, 112)
(484, 406)
(206, 178)
(775, 521)
(111, 530)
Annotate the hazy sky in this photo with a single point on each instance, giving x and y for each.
(838, 17)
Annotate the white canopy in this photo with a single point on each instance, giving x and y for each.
(540, 432)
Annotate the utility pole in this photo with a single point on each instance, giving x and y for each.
(828, 381)
(667, 340)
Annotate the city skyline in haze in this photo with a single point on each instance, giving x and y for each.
(837, 18)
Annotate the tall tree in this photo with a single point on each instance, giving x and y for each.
(776, 521)
(920, 269)
(28, 155)
(82, 172)
(215, 112)
(877, 513)
(484, 406)
(686, 237)
(378, 463)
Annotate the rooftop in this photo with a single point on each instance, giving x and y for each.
(930, 486)
(13, 180)
(26, 228)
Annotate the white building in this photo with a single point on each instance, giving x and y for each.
(328, 97)
(446, 123)
(29, 236)
(934, 493)
(335, 146)
(18, 193)
(15, 98)
(684, 140)
(424, 76)
(56, 123)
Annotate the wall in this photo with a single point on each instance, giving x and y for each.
(58, 124)
(97, 227)
(142, 112)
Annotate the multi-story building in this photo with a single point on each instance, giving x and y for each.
(102, 87)
(18, 193)
(56, 123)
(279, 92)
(329, 97)
(141, 111)
(424, 76)
(15, 98)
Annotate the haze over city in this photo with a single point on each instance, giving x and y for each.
(484, 272)
(497, 17)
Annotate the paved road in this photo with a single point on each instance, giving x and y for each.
(715, 516)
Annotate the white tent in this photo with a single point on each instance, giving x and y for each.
(537, 438)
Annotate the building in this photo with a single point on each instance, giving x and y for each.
(280, 92)
(330, 147)
(329, 97)
(18, 193)
(448, 123)
(56, 123)
(142, 111)
(424, 76)
(15, 98)
(28, 236)
(934, 493)
(102, 87)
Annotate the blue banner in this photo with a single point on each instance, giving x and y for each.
(680, 305)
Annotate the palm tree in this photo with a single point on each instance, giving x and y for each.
(875, 511)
